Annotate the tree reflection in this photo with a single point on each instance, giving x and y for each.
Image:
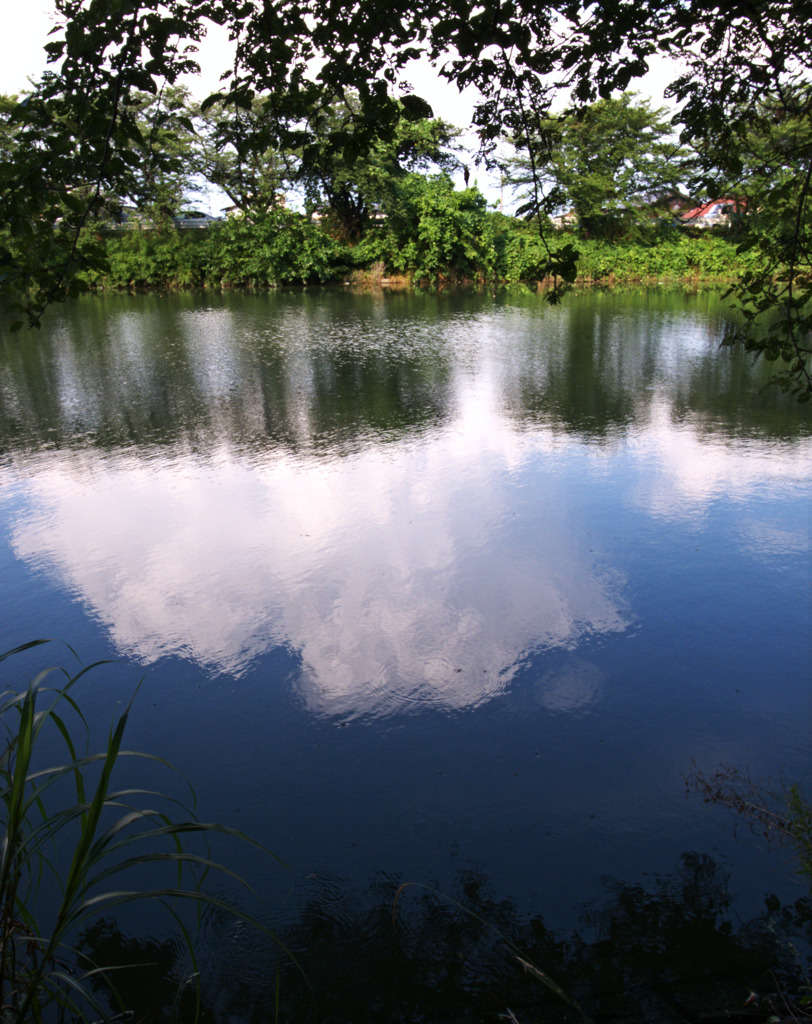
(297, 371)
(143, 971)
(665, 951)
(158, 375)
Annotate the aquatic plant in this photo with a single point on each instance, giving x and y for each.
(781, 813)
(73, 848)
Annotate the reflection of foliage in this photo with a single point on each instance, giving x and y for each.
(380, 377)
(783, 814)
(665, 951)
(129, 961)
(672, 946)
(434, 962)
(352, 391)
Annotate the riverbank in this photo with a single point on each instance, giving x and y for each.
(285, 248)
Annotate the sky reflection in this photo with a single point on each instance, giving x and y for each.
(419, 573)
(397, 573)
(412, 549)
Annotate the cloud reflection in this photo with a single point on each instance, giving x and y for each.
(416, 572)
(403, 575)
(685, 472)
(571, 687)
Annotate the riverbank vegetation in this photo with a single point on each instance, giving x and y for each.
(108, 124)
(451, 238)
(388, 211)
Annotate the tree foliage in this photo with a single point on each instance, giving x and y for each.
(239, 151)
(164, 140)
(435, 232)
(768, 167)
(612, 162)
(352, 183)
(8, 130)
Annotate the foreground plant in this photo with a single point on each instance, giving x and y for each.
(67, 829)
(781, 814)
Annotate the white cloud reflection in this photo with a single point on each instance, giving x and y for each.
(391, 571)
(419, 572)
(684, 472)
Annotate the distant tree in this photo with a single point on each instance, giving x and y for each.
(8, 129)
(164, 143)
(345, 168)
(352, 180)
(241, 151)
(611, 162)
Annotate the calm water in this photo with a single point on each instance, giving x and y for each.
(449, 590)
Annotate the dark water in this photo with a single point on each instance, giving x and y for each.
(448, 590)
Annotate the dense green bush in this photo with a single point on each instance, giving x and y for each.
(678, 257)
(432, 233)
(276, 247)
(154, 258)
(523, 254)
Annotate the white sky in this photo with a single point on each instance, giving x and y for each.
(25, 29)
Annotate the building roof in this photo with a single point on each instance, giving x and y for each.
(715, 208)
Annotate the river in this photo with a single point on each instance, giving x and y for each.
(447, 589)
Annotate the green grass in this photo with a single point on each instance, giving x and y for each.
(68, 830)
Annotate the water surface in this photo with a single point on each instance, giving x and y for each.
(430, 588)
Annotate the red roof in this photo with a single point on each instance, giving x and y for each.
(707, 209)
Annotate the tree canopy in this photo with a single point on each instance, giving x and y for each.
(351, 188)
(744, 64)
(612, 162)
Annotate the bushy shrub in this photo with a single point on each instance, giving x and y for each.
(275, 247)
(431, 232)
(434, 232)
(154, 258)
(677, 258)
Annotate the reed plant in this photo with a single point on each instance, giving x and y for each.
(73, 847)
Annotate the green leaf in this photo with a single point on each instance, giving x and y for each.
(415, 108)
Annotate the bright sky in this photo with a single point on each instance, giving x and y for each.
(26, 27)
(22, 57)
